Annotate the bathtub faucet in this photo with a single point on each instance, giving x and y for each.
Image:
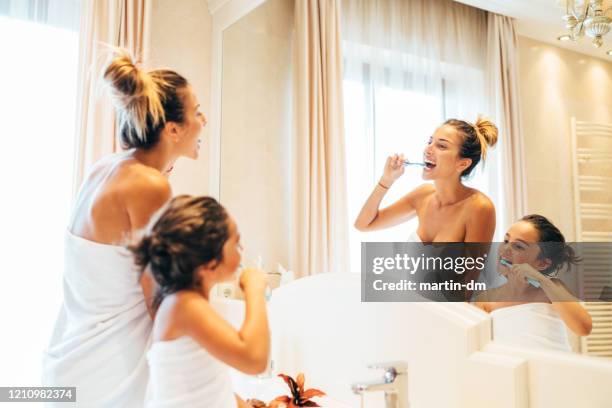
(394, 383)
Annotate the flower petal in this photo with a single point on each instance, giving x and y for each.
(313, 392)
(291, 383)
(282, 398)
(309, 404)
(300, 382)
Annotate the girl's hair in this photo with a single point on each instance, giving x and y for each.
(552, 244)
(144, 101)
(187, 233)
(477, 138)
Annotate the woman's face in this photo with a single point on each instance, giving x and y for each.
(190, 131)
(441, 155)
(520, 247)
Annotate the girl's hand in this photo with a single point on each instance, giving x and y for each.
(517, 283)
(394, 168)
(524, 271)
(253, 279)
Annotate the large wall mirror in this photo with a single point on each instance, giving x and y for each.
(255, 142)
(252, 124)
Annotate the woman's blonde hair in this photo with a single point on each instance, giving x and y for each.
(144, 101)
(477, 138)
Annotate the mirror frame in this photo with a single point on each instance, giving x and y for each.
(224, 13)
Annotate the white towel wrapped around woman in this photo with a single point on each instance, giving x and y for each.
(531, 325)
(102, 334)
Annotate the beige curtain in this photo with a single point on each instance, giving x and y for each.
(320, 220)
(502, 71)
(104, 23)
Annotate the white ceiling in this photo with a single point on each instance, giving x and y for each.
(541, 20)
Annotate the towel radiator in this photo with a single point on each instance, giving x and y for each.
(592, 174)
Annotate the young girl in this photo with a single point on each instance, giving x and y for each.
(534, 314)
(448, 211)
(193, 245)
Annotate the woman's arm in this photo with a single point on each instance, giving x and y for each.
(247, 349)
(370, 218)
(145, 198)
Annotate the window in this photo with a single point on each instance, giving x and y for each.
(38, 81)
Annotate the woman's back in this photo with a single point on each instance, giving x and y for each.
(106, 209)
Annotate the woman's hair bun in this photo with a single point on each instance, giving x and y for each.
(488, 131)
(135, 94)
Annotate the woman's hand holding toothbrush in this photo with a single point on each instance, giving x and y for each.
(394, 168)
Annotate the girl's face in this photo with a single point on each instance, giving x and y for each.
(521, 247)
(441, 155)
(189, 132)
(232, 254)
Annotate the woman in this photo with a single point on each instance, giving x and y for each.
(191, 247)
(534, 307)
(447, 210)
(103, 330)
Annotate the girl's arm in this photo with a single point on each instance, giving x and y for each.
(575, 316)
(571, 311)
(247, 349)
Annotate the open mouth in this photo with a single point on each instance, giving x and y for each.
(429, 165)
(505, 262)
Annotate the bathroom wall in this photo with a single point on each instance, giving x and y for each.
(181, 40)
(256, 129)
(556, 84)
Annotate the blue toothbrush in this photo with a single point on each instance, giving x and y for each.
(531, 281)
(408, 163)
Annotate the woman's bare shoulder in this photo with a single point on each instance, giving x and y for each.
(419, 195)
(138, 180)
(480, 202)
(142, 190)
(423, 191)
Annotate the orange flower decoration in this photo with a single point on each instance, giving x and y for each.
(299, 397)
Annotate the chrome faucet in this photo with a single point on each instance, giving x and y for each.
(394, 383)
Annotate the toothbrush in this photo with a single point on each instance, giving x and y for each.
(268, 291)
(531, 281)
(408, 163)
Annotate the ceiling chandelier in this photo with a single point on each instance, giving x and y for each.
(590, 17)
